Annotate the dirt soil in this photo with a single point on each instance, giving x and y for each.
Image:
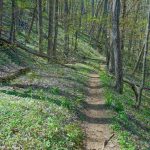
(97, 119)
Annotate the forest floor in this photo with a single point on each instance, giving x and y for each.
(37, 91)
(52, 104)
(97, 119)
(41, 107)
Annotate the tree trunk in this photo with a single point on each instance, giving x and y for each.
(123, 28)
(1, 16)
(13, 22)
(144, 62)
(138, 60)
(56, 29)
(66, 29)
(96, 15)
(116, 46)
(31, 26)
(105, 15)
(40, 25)
(111, 61)
(93, 8)
(50, 30)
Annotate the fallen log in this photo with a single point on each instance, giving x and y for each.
(27, 49)
(24, 47)
(14, 75)
(134, 86)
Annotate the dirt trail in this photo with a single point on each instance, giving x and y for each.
(96, 119)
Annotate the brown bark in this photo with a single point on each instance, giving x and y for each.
(144, 62)
(12, 30)
(31, 26)
(40, 24)
(56, 29)
(1, 15)
(50, 29)
(116, 46)
(66, 28)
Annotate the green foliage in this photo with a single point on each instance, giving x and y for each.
(41, 123)
(113, 101)
(35, 123)
(74, 133)
(55, 90)
(39, 115)
(24, 4)
(127, 121)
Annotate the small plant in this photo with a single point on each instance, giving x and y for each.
(32, 76)
(118, 106)
(109, 99)
(67, 103)
(74, 133)
(55, 90)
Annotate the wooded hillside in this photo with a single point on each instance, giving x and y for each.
(50, 52)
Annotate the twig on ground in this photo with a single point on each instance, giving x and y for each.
(107, 141)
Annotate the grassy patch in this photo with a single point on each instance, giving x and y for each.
(26, 123)
(131, 125)
(38, 110)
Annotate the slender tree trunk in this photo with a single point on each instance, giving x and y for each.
(112, 61)
(96, 15)
(116, 46)
(82, 12)
(1, 15)
(78, 26)
(66, 28)
(105, 33)
(131, 38)
(56, 28)
(31, 26)
(138, 60)
(93, 8)
(123, 28)
(40, 25)
(50, 29)
(76, 40)
(144, 63)
(13, 22)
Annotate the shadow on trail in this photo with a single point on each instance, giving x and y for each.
(94, 120)
(95, 106)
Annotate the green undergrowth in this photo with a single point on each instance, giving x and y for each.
(34, 112)
(40, 109)
(12, 56)
(130, 124)
(27, 123)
